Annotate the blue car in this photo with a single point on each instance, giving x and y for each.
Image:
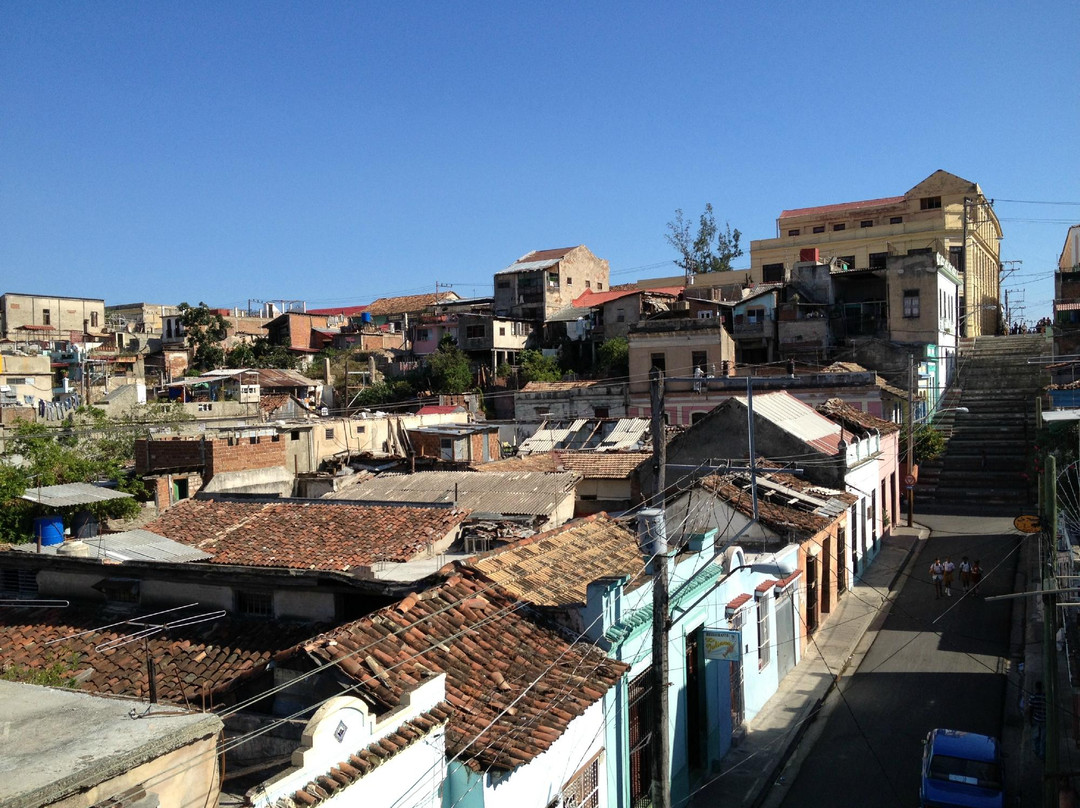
(961, 769)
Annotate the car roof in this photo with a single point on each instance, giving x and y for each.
(967, 745)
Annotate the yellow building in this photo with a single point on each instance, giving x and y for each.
(943, 213)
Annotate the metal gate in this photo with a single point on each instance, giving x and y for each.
(785, 633)
(640, 735)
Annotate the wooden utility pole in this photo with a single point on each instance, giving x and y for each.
(654, 543)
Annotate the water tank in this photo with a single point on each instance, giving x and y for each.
(652, 532)
(84, 525)
(810, 254)
(77, 549)
(49, 530)
(365, 317)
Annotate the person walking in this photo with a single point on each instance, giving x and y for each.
(937, 572)
(950, 568)
(976, 576)
(965, 574)
(1037, 716)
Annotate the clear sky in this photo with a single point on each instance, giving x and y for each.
(339, 152)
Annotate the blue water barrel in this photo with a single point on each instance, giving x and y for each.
(50, 529)
(365, 316)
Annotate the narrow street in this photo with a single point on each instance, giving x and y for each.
(934, 663)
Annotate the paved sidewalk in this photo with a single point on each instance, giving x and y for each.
(746, 776)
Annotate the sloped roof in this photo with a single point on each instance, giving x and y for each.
(855, 420)
(192, 661)
(305, 535)
(842, 207)
(779, 514)
(511, 492)
(537, 259)
(540, 462)
(343, 311)
(549, 387)
(555, 568)
(71, 494)
(409, 303)
(590, 299)
(281, 377)
(603, 465)
(797, 419)
(589, 433)
(515, 685)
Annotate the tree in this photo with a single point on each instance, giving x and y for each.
(205, 330)
(613, 357)
(710, 249)
(535, 367)
(449, 368)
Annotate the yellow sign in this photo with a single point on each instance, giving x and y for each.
(1028, 523)
(722, 645)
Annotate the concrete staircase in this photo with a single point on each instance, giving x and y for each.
(987, 456)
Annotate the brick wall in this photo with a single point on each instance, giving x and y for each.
(213, 456)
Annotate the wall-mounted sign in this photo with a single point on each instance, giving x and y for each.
(1028, 523)
(723, 644)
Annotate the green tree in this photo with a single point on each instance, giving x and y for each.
(710, 249)
(205, 330)
(535, 367)
(449, 369)
(613, 357)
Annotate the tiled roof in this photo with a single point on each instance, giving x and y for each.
(409, 303)
(281, 377)
(603, 465)
(364, 761)
(590, 299)
(542, 461)
(192, 661)
(781, 519)
(512, 492)
(555, 568)
(842, 207)
(545, 255)
(343, 311)
(854, 420)
(514, 685)
(305, 535)
(807, 487)
(736, 602)
(440, 409)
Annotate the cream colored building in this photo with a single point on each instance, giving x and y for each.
(943, 213)
(39, 318)
(544, 281)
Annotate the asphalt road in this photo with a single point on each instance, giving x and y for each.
(934, 663)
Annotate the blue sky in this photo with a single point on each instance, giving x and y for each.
(338, 152)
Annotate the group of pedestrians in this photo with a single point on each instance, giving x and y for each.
(941, 573)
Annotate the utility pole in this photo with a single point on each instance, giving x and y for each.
(1052, 766)
(653, 541)
(911, 438)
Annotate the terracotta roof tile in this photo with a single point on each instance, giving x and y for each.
(736, 602)
(409, 303)
(555, 568)
(842, 207)
(305, 535)
(192, 662)
(551, 681)
(780, 518)
(603, 465)
(855, 420)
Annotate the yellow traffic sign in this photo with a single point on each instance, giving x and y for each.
(1027, 523)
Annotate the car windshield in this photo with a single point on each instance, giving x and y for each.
(982, 773)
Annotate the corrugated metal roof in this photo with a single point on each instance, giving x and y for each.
(515, 492)
(526, 266)
(624, 434)
(142, 545)
(68, 494)
(798, 419)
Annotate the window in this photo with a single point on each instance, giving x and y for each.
(848, 261)
(764, 654)
(294, 435)
(772, 273)
(583, 790)
(601, 412)
(896, 220)
(206, 407)
(620, 315)
(93, 319)
(502, 330)
(866, 223)
(911, 303)
(553, 279)
(755, 316)
(658, 360)
(329, 434)
(699, 359)
(697, 416)
(794, 232)
(46, 317)
(599, 286)
(422, 335)
(18, 583)
(706, 314)
(930, 203)
(502, 285)
(569, 281)
(838, 227)
(819, 228)
(255, 604)
(878, 260)
(588, 284)
(475, 331)
(956, 258)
